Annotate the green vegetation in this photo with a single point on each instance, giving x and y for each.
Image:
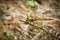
(6, 34)
(37, 29)
(30, 3)
(41, 24)
(28, 16)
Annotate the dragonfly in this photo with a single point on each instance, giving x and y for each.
(38, 18)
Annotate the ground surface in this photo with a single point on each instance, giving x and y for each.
(11, 12)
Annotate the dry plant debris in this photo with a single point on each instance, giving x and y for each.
(43, 13)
